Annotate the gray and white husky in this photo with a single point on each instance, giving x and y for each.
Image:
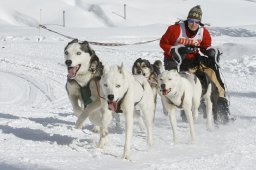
(126, 93)
(150, 71)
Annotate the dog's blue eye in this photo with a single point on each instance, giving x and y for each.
(78, 53)
(66, 53)
(118, 86)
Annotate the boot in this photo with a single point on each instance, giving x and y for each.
(223, 110)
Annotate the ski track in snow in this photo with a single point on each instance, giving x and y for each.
(38, 114)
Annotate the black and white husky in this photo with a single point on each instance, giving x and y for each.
(150, 71)
(84, 71)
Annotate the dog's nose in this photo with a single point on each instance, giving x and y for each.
(68, 62)
(162, 86)
(139, 71)
(110, 97)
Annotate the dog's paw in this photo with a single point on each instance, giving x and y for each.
(96, 129)
(150, 146)
(193, 141)
(195, 118)
(175, 142)
(142, 127)
(102, 142)
(99, 145)
(78, 125)
(216, 125)
(125, 156)
(209, 128)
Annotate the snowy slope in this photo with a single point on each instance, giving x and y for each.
(100, 13)
(36, 121)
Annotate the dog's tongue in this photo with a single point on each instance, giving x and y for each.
(164, 92)
(71, 72)
(112, 106)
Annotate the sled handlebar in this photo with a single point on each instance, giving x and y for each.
(200, 47)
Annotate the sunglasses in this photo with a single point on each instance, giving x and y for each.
(190, 20)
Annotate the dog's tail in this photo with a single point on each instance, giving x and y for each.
(158, 67)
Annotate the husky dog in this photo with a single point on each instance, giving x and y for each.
(150, 71)
(123, 92)
(84, 71)
(182, 92)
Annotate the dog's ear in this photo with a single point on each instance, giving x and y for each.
(92, 52)
(133, 67)
(86, 48)
(175, 71)
(158, 67)
(106, 69)
(149, 65)
(71, 42)
(121, 68)
(138, 60)
(159, 64)
(85, 43)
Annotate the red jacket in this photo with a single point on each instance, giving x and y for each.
(172, 34)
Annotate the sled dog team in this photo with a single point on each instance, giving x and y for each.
(97, 91)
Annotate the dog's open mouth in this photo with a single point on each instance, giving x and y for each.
(112, 105)
(72, 71)
(165, 92)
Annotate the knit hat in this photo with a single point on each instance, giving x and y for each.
(195, 13)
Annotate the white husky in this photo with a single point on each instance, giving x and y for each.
(84, 71)
(182, 92)
(125, 92)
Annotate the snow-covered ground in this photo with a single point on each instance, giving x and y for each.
(36, 121)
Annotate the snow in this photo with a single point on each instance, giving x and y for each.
(36, 120)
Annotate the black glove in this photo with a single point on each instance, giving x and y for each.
(178, 52)
(213, 54)
(184, 50)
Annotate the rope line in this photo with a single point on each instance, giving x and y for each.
(98, 43)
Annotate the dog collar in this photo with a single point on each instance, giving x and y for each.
(118, 110)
